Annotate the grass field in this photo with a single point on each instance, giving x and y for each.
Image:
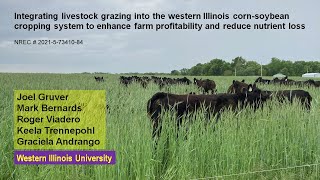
(274, 138)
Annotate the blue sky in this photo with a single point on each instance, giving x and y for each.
(149, 51)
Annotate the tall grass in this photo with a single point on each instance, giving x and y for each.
(277, 136)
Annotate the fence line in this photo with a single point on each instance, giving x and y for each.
(261, 171)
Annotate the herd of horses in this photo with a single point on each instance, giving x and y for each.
(239, 95)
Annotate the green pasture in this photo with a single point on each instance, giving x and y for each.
(280, 141)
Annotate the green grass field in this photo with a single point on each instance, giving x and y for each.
(267, 144)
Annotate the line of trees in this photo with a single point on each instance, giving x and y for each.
(242, 67)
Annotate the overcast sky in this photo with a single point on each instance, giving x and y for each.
(149, 51)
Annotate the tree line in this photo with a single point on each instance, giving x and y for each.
(241, 67)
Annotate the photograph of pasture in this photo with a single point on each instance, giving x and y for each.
(188, 89)
(192, 127)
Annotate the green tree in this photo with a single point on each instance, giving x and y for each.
(184, 71)
(252, 68)
(284, 71)
(274, 66)
(237, 65)
(227, 73)
(175, 72)
(197, 70)
(298, 68)
(218, 67)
